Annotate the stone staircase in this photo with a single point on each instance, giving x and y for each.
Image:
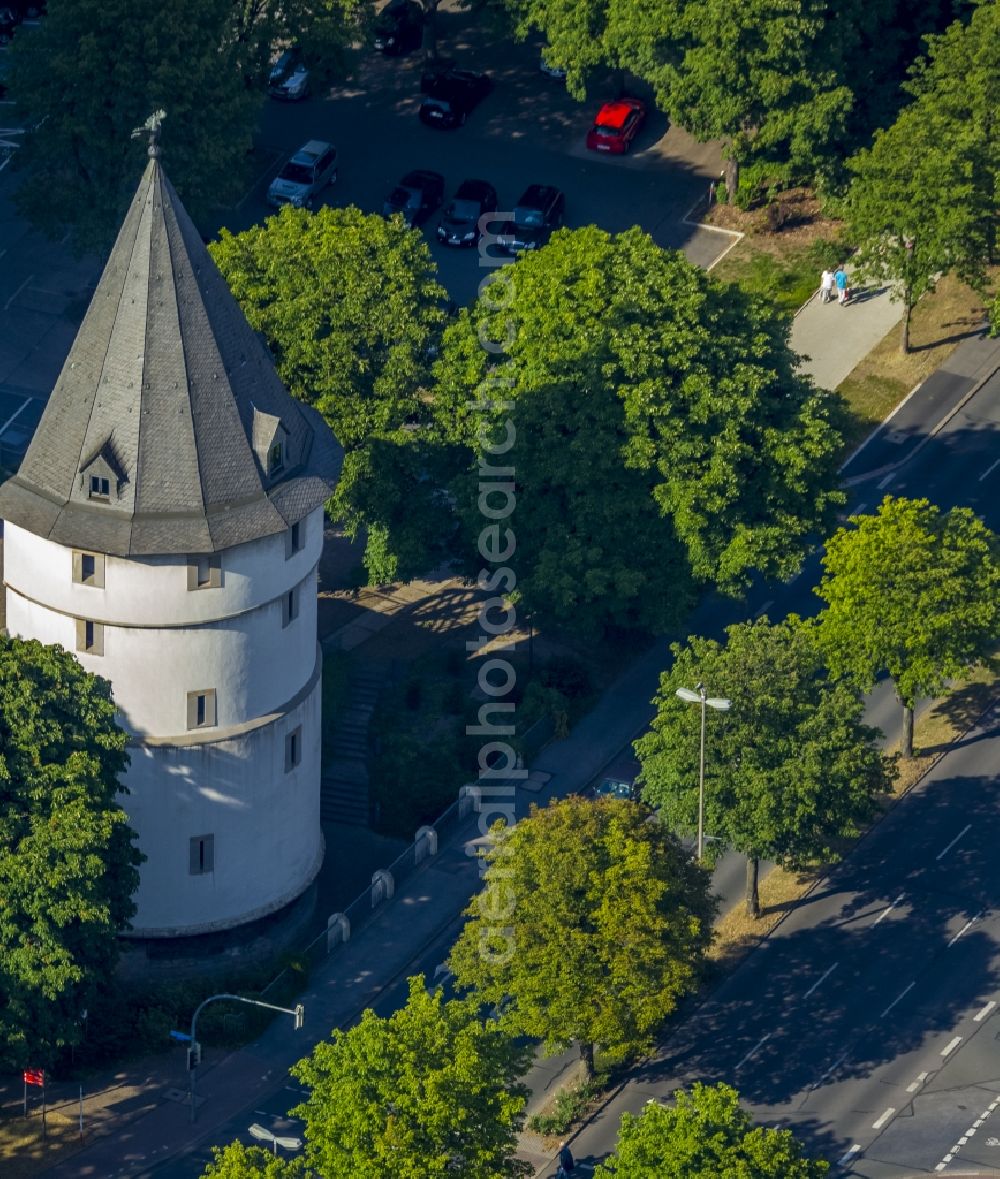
(344, 792)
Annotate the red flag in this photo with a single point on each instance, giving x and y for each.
(34, 1076)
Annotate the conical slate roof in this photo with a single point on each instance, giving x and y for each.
(169, 396)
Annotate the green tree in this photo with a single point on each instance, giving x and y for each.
(237, 1161)
(911, 591)
(352, 310)
(789, 768)
(67, 859)
(676, 389)
(97, 69)
(704, 1135)
(430, 1091)
(593, 921)
(925, 196)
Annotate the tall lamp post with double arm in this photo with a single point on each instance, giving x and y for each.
(720, 704)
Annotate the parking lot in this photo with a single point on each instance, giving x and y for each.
(527, 131)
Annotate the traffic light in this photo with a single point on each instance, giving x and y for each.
(300, 1016)
(194, 1055)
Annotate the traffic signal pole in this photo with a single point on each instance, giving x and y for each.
(298, 1014)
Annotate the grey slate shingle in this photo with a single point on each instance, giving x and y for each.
(167, 373)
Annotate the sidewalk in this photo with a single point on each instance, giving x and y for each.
(832, 340)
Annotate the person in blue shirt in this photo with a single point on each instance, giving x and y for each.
(840, 279)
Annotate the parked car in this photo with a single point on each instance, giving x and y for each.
(10, 18)
(616, 126)
(300, 181)
(618, 779)
(399, 28)
(552, 71)
(450, 94)
(460, 223)
(539, 210)
(416, 196)
(289, 77)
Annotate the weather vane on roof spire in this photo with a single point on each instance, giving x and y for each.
(151, 127)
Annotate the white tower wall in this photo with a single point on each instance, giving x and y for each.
(233, 780)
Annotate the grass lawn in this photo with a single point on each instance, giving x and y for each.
(784, 268)
(940, 321)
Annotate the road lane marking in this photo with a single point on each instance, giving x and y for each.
(989, 470)
(945, 851)
(969, 1134)
(978, 1018)
(6, 305)
(764, 609)
(897, 999)
(859, 509)
(948, 1049)
(915, 1085)
(887, 480)
(819, 980)
(760, 1043)
(886, 912)
(881, 1120)
(848, 1156)
(968, 925)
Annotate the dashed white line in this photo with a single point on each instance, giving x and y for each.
(821, 979)
(897, 999)
(981, 1015)
(760, 1043)
(848, 1156)
(764, 609)
(989, 470)
(946, 850)
(887, 480)
(859, 509)
(949, 1048)
(915, 1085)
(968, 925)
(881, 1120)
(968, 1134)
(886, 912)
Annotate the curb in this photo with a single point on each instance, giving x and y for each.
(826, 878)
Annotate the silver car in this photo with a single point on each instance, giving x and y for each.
(300, 181)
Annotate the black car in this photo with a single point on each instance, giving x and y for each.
(416, 196)
(399, 28)
(460, 223)
(451, 94)
(537, 213)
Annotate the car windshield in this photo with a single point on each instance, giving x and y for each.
(463, 211)
(401, 197)
(530, 217)
(296, 174)
(610, 132)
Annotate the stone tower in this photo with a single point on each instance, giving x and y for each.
(166, 525)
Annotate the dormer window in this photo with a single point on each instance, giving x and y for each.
(276, 458)
(100, 488)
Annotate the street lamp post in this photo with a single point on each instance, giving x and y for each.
(720, 704)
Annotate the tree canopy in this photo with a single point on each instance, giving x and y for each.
(789, 768)
(640, 388)
(924, 197)
(430, 1091)
(592, 924)
(97, 69)
(68, 864)
(705, 1134)
(912, 591)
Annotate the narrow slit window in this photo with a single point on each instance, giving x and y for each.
(293, 749)
(201, 709)
(202, 855)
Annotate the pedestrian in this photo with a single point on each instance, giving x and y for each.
(840, 280)
(826, 286)
(566, 1162)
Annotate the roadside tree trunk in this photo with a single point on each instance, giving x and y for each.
(906, 745)
(753, 891)
(904, 328)
(731, 178)
(430, 29)
(587, 1056)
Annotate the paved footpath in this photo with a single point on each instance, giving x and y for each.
(833, 339)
